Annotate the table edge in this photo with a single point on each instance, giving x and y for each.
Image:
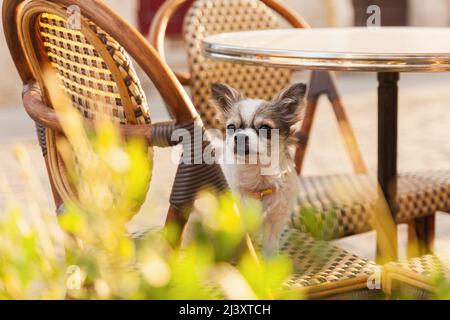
(328, 60)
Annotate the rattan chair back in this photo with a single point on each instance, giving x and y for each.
(86, 50)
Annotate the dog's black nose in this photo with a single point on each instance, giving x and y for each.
(241, 143)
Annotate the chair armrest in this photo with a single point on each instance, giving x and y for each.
(48, 117)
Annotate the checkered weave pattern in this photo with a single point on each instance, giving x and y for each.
(423, 193)
(342, 205)
(85, 76)
(417, 278)
(318, 262)
(96, 74)
(209, 17)
(428, 266)
(318, 267)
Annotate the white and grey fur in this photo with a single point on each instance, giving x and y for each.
(250, 117)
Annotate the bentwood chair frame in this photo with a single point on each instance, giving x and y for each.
(20, 22)
(338, 272)
(421, 229)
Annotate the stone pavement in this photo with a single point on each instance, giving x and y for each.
(424, 135)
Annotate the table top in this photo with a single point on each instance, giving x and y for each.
(386, 49)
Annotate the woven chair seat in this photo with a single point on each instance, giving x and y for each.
(343, 205)
(323, 270)
(421, 277)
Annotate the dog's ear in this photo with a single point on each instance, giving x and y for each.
(224, 96)
(289, 103)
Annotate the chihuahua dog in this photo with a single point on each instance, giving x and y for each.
(259, 152)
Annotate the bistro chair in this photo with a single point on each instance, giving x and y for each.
(94, 67)
(95, 71)
(419, 195)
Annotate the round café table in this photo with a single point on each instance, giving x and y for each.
(386, 51)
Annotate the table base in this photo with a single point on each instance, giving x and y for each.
(387, 147)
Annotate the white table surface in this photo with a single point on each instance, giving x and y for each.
(399, 49)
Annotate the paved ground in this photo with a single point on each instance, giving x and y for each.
(423, 144)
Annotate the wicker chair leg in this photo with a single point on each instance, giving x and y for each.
(323, 83)
(305, 131)
(348, 137)
(176, 219)
(56, 197)
(421, 232)
(41, 135)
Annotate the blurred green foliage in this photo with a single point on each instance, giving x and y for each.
(87, 252)
(94, 257)
(318, 225)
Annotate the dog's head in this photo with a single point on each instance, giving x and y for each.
(253, 124)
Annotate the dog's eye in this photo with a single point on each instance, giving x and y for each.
(266, 129)
(231, 127)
